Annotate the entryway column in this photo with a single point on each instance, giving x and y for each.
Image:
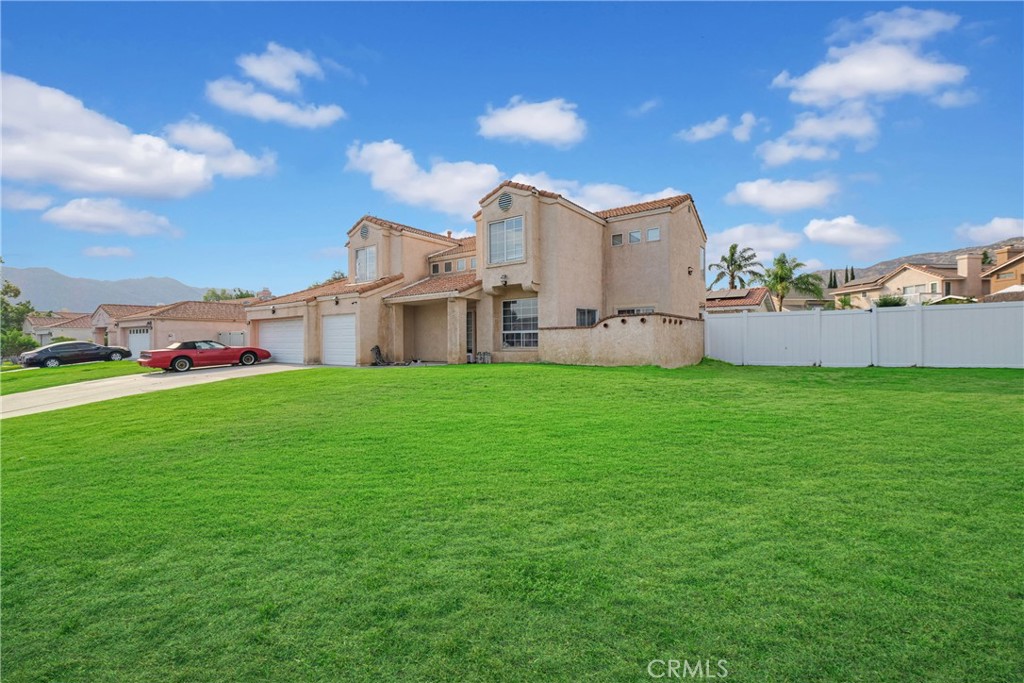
(456, 331)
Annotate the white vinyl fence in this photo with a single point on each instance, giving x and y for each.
(959, 336)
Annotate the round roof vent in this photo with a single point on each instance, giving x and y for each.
(364, 232)
(505, 201)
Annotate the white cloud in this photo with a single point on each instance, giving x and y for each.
(783, 196)
(765, 239)
(645, 107)
(813, 264)
(705, 131)
(746, 125)
(50, 136)
(224, 158)
(592, 196)
(955, 98)
(851, 120)
(554, 122)
(106, 252)
(451, 187)
(782, 151)
(243, 98)
(888, 62)
(845, 231)
(108, 217)
(280, 67)
(18, 200)
(995, 230)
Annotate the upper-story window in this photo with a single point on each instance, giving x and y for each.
(634, 237)
(653, 234)
(472, 263)
(366, 264)
(447, 266)
(617, 239)
(460, 265)
(506, 240)
(435, 268)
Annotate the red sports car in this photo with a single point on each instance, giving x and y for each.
(181, 356)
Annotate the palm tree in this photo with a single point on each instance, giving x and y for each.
(781, 278)
(739, 265)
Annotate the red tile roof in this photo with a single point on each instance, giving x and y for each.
(192, 310)
(334, 288)
(643, 206)
(120, 310)
(519, 186)
(466, 245)
(62, 319)
(439, 284)
(729, 298)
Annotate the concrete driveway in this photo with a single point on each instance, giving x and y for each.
(55, 398)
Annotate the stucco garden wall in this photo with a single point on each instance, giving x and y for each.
(656, 339)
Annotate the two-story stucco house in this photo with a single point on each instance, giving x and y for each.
(543, 279)
(919, 283)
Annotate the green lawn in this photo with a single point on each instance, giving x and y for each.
(12, 382)
(522, 523)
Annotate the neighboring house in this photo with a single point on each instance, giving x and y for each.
(752, 300)
(45, 328)
(103, 320)
(541, 280)
(919, 283)
(1011, 293)
(157, 327)
(1007, 271)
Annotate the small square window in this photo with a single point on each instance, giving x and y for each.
(447, 266)
(586, 317)
(472, 263)
(617, 240)
(634, 237)
(435, 268)
(653, 234)
(460, 265)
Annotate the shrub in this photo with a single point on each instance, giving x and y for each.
(14, 342)
(890, 300)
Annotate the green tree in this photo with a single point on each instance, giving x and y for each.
(846, 275)
(986, 258)
(853, 274)
(781, 278)
(15, 342)
(890, 301)
(12, 313)
(227, 295)
(844, 302)
(335, 276)
(739, 265)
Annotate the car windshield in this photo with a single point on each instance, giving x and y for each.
(209, 345)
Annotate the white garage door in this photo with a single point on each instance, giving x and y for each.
(138, 341)
(284, 339)
(339, 339)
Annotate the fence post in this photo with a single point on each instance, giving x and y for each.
(743, 344)
(920, 336)
(873, 333)
(817, 344)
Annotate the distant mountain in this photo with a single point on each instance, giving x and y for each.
(49, 290)
(930, 257)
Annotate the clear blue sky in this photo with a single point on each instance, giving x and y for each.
(235, 144)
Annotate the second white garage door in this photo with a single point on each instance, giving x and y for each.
(283, 338)
(339, 339)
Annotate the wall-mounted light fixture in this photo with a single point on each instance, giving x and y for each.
(504, 280)
(336, 301)
(273, 310)
(355, 302)
(689, 270)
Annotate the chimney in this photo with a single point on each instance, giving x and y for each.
(968, 266)
(449, 234)
(1006, 253)
(264, 295)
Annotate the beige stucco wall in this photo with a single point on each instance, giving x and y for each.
(397, 252)
(429, 333)
(521, 273)
(1017, 277)
(46, 336)
(668, 341)
(572, 267)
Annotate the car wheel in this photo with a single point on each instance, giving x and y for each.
(181, 364)
(51, 362)
(116, 355)
(248, 358)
